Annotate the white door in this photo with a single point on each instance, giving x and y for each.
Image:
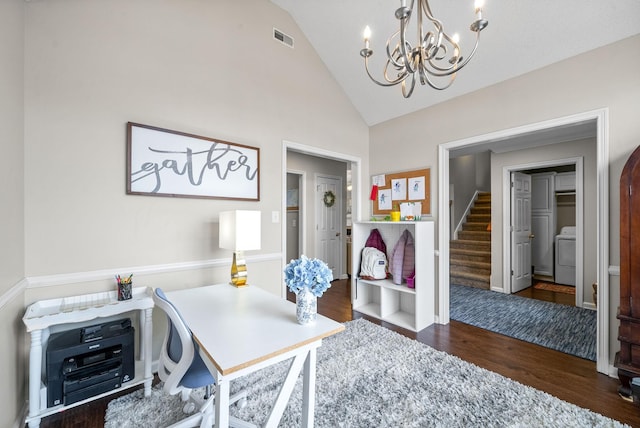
(520, 231)
(329, 222)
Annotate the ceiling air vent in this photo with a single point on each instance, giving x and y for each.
(282, 38)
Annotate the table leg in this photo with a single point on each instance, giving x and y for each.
(309, 389)
(35, 368)
(222, 402)
(287, 387)
(147, 335)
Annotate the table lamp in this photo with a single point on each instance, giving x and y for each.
(239, 231)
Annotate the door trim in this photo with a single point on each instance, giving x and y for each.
(302, 209)
(601, 118)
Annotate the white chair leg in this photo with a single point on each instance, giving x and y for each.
(185, 394)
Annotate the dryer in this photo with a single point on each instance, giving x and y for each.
(565, 272)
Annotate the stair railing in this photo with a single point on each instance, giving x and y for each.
(464, 216)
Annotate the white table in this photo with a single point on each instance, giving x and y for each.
(241, 330)
(40, 317)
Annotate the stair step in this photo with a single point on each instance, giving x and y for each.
(473, 255)
(479, 218)
(475, 235)
(470, 254)
(471, 245)
(481, 209)
(475, 226)
(482, 204)
(470, 279)
(465, 265)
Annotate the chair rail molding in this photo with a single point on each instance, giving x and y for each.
(97, 275)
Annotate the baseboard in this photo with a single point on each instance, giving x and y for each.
(22, 416)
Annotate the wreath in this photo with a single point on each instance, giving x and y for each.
(329, 198)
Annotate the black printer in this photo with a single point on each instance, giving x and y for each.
(88, 361)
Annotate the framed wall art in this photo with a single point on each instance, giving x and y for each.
(161, 162)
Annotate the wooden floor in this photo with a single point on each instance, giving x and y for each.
(564, 376)
(548, 296)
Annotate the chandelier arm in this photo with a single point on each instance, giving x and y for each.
(377, 82)
(404, 88)
(404, 22)
(436, 41)
(442, 72)
(391, 54)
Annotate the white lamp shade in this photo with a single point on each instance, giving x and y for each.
(240, 230)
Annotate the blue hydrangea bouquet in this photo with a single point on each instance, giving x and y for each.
(313, 274)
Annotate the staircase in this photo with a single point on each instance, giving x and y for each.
(470, 254)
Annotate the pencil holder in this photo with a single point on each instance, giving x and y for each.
(124, 291)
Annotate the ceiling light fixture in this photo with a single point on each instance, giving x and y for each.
(436, 55)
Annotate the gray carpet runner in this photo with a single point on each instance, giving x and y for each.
(564, 328)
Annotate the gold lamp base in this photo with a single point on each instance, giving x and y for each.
(239, 270)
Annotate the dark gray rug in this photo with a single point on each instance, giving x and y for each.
(564, 328)
(368, 376)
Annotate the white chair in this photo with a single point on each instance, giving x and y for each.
(181, 369)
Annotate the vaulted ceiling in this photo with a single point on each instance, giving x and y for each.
(522, 36)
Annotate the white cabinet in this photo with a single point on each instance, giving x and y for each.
(566, 182)
(409, 308)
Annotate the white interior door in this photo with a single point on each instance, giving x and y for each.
(329, 223)
(520, 231)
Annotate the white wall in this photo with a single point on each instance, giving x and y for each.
(11, 209)
(209, 68)
(92, 66)
(11, 136)
(584, 83)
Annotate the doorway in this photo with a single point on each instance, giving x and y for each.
(590, 124)
(556, 205)
(306, 216)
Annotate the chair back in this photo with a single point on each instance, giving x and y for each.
(177, 350)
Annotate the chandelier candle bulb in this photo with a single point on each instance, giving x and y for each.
(479, 4)
(367, 36)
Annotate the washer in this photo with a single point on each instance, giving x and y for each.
(566, 256)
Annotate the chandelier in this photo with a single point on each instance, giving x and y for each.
(436, 54)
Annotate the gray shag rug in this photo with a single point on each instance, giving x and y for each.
(369, 376)
(564, 328)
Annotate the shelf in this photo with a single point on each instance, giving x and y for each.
(409, 308)
(402, 319)
(139, 379)
(387, 283)
(369, 309)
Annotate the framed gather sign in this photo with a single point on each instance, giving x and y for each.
(161, 162)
